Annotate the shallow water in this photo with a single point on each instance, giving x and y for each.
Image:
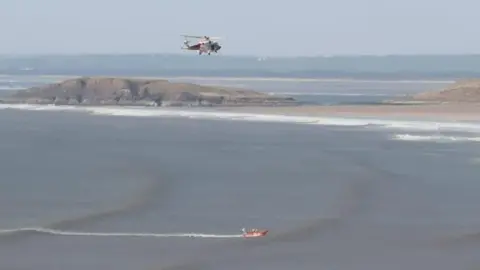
(325, 92)
(341, 197)
(335, 193)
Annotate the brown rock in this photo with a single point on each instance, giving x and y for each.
(108, 89)
(462, 91)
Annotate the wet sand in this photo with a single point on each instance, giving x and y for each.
(459, 111)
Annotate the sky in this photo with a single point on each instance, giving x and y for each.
(248, 27)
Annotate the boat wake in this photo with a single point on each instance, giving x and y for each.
(112, 234)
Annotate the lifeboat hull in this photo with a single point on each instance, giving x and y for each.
(255, 234)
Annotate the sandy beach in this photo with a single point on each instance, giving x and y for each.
(453, 111)
(458, 111)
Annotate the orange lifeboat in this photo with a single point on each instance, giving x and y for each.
(254, 233)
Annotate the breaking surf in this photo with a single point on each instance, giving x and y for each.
(365, 122)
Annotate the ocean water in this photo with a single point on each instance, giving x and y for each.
(132, 188)
(225, 65)
(307, 91)
(329, 92)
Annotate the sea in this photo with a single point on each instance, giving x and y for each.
(158, 188)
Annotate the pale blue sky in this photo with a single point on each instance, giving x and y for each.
(259, 27)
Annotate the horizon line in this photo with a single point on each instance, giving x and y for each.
(154, 54)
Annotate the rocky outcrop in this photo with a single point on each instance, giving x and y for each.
(108, 90)
(462, 91)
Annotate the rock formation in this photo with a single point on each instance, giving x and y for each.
(462, 91)
(106, 90)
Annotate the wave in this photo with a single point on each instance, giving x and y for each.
(335, 94)
(425, 125)
(435, 138)
(11, 88)
(112, 234)
(475, 160)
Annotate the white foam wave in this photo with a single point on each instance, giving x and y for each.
(7, 88)
(218, 115)
(334, 94)
(30, 107)
(475, 160)
(112, 234)
(435, 138)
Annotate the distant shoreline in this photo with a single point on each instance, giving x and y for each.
(431, 112)
(241, 102)
(240, 78)
(447, 111)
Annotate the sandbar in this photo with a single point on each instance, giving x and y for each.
(451, 112)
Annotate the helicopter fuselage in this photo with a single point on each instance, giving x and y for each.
(203, 46)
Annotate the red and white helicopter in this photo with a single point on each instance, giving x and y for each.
(205, 44)
(254, 233)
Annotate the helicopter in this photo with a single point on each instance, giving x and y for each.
(205, 44)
